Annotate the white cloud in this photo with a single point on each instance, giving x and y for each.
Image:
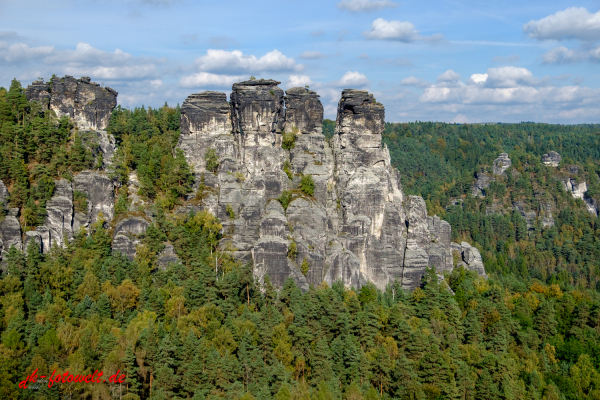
(414, 81)
(352, 79)
(223, 60)
(449, 76)
(312, 55)
(562, 55)
(401, 31)
(356, 6)
(298, 80)
(574, 22)
(479, 78)
(20, 52)
(207, 79)
(460, 119)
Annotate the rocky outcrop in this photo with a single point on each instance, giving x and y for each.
(86, 102)
(357, 226)
(99, 192)
(60, 214)
(167, 256)
(501, 164)
(551, 159)
(303, 111)
(470, 258)
(482, 183)
(103, 144)
(576, 188)
(10, 231)
(127, 235)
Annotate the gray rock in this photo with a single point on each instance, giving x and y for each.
(33, 238)
(39, 91)
(303, 111)
(482, 183)
(60, 214)
(167, 256)
(87, 103)
(99, 190)
(357, 227)
(551, 159)
(501, 164)
(10, 231)
(576, 188)
(472, 258)
(127, 234)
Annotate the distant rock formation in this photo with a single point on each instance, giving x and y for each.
(551, 159)
(577, 189)
(86, 102)
(501, 164)
(357, 226)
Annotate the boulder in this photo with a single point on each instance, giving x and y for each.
(127, 234)
(551, 159)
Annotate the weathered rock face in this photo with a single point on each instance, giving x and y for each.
(39, 91)
(358, 226)
(303, 111)
(471, 258)
(501, 164)
(551, 159)
(99, 191)
(577, 189)
(10, 232)
(86, 102)
(127, 235)
(60, 214)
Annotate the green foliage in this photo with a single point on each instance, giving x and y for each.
(285, 199)
(287, 168)
(35, 149)
(328, 128)
(230, 211)
(292, 252)
(307, 185)
(304, 267)
(289, 139)
(147, 140)
(80, 201)
(211, 159)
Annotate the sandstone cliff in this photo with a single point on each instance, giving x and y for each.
(358, 226)
(86, 102)
(249, 157)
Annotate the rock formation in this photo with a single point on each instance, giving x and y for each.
(357, 226)
(501, 164)
(577, 189)
(551, 159)
(86, 102)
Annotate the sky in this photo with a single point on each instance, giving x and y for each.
(438, 60)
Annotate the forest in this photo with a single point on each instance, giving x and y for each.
(198, 330)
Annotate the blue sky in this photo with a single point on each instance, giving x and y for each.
(453, 61)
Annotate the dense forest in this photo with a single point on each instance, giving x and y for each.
(206, 330)
(440, 161)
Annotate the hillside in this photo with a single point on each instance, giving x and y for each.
(121, 257)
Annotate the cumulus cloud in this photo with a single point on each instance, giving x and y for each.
(312, 55)
(415, 82)
(352, 79)
(401, 31)
(356, 6)
(20, 52)
(83, 60)
(572, 23)
(449, 76)
(207, 79)
(230, 61)
(563, 55)
(298, 80)
(514, 89)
